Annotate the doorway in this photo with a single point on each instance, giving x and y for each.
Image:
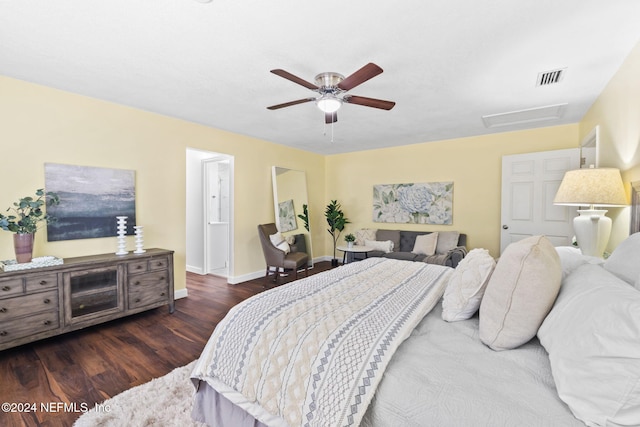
(209, 212)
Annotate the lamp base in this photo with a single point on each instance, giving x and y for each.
(592, 229)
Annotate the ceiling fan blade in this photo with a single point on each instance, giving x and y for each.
(362, 75)
(369, 102)
(290, 103)
(287, 75)
(331, 117)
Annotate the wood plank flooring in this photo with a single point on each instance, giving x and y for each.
(86, 367)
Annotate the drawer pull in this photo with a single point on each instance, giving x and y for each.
(138, 267)
(162, 294)
(160, 264)
(4, 333)
(137, 283)
(161, 277)
(3, 310)
(137, 300)
(47, 300)
(43, 282)
(6, 288)
(46, 322)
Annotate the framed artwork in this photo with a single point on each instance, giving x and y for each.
(90, 200)
(422, 203)
(287, 216)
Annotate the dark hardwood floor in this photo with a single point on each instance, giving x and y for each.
(86, 367)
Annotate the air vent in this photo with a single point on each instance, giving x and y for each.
(550, 77)
(549, 112)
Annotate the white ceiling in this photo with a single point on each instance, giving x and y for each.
(446, 63)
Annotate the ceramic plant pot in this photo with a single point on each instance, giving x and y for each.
(23, 246)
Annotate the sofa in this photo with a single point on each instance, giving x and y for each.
(446, 247)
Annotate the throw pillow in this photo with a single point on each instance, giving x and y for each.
(623, 261)
(364, 234)
(466, 286)
(279, 242)
(447, 240)
(386, 246)
(425, 244)
(520, 293)
(592, 335)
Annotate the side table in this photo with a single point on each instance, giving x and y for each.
(353, 249)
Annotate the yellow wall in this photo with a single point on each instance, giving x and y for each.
(473, 164)
(43, 125)
(617, 113)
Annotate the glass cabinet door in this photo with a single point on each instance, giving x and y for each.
(93, 293)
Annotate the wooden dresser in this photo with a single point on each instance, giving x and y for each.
(84, 291)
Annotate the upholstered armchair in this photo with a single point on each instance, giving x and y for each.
(277, 258)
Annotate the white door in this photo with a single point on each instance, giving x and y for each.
(529, 184)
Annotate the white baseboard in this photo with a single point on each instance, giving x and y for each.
(180, 293)
(196, 270)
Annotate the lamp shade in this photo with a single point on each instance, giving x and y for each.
(329, 103)
(593, 187)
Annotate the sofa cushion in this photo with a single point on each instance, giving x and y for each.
(365, 234)
(447, 240)
(425, 244)
(408, 239)
(520, 293)
(405, 256)
(393, 235)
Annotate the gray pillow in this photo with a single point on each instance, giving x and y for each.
(447, 240)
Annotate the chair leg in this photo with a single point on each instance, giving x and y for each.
(306, 270)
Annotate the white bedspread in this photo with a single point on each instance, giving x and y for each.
(443, 376)
(312, 353)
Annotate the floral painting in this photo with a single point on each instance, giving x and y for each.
(287, 216)
(423, 203)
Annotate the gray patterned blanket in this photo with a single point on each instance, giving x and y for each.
(311, 353)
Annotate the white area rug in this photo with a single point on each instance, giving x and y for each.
(164, 401)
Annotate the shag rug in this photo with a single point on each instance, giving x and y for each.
(164, 401)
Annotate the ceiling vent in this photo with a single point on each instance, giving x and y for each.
(550, 77)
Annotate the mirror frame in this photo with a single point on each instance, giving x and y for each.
(300, 229)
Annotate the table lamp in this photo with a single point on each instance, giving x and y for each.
(593, 187)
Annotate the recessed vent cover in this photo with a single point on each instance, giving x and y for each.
(550, 77)
(549, 112)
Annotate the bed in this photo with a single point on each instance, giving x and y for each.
(274, 361)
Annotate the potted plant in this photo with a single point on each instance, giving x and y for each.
(350, 238)
(25, 217)
(337, 221)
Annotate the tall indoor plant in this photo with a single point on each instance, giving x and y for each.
(337, 221)
(24, 219)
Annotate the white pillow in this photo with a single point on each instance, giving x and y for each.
(447, 240)
(520, 293)
(624, 262)
(425, 244)
(384, 246)
(592, 335)
(280, 242)
(571, 258)
(466, 285)
(365, 234)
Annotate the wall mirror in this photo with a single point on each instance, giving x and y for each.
(290, 201)
(590, 149)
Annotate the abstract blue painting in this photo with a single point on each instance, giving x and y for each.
(90, 200)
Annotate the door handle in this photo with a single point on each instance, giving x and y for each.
(505, 227)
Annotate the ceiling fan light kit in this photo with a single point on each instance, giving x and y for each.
(332, 88)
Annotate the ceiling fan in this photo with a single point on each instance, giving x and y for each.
(332, 88)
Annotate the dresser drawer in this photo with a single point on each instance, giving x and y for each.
(137, 267)
(11, 308)
(158, 263)
(31, 325)
(37, 283)
(148, 279)
(10, 287)
(142, 296)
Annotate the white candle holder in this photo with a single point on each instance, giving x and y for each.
(122, 231)
(139, 239)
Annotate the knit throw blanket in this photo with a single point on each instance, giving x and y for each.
(312, 352)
